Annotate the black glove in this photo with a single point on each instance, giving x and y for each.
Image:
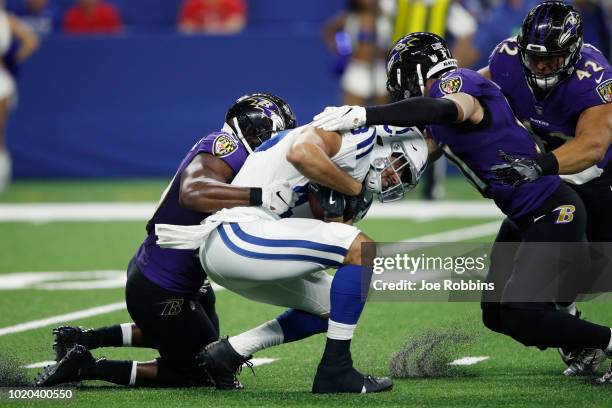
(357, 207)
(517, 170)
(331, 201)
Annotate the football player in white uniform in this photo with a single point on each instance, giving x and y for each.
(282, 261)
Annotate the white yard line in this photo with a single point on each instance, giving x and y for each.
(417, 210)
(464, 361)
(256, 363)
(452, 235)
(460, 234)
(79, 314)
(68, 280)
(76, 315)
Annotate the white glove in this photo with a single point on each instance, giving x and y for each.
(278, 197)
(335, 118)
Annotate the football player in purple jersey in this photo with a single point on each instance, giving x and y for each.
(561, 90)
(167, 293)
(469, 117)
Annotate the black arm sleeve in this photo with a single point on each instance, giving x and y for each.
(416, 111)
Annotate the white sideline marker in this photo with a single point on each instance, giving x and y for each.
(416, 210)
(256, 363)
(465, 361)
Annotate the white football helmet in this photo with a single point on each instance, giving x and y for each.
(397, 162)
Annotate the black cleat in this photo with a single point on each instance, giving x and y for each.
(586, 363)
(330, 380)
(222, 364)
(68, 369)
(606, 378)
(66, 337)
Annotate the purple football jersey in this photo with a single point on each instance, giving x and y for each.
(554, 118)
(179, 270)
(475, 148)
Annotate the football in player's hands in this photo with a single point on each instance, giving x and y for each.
(325, 203)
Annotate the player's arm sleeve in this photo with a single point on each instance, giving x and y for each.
(417, 111)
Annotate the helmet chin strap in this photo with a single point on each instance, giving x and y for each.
(241, 136)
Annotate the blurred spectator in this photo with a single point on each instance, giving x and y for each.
(595, 23)
(361, 35)
(212, 16)
(503, 22)
(447, 18)
(17, 43)
(92, 17)
(38, 15)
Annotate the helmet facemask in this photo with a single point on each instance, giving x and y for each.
(390, 175)
(558, 66)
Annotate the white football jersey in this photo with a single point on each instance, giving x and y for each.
(268, 164)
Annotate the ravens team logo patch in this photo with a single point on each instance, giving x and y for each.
(224, 145)
(451, 85)
(605, 91)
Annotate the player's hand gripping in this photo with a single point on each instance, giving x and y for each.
(278, 197)
(516, 170)
(335, 118)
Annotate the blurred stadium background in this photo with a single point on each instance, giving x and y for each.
(99, 126)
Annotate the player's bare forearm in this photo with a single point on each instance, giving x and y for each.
(311, 161)
(591, 142)
(205, 186)
(207, 196)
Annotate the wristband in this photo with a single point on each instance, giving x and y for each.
(548, 163)
(255, 196)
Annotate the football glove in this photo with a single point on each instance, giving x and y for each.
(516, 170)
(335, 118)
(331, 201)
(278, 197)
(357, 207)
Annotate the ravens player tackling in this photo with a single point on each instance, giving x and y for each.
(471, 120)
(172, 311)
(561, 90)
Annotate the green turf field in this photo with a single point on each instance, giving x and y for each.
(513, 376)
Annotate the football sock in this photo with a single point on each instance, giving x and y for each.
(116, 371)
(267, 335)
(346, 307)
(126, 334)
(608, 349)
(297, 325)
(346, 300)
(110, 336)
